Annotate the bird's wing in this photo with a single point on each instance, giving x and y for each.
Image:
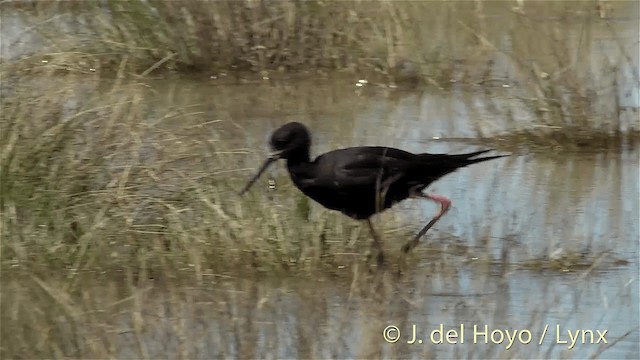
(362, 168)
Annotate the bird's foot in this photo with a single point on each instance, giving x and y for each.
(402, 263)
(380, 260)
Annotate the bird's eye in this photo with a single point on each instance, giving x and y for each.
(279, 143)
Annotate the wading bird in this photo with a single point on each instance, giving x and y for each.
(362, 181)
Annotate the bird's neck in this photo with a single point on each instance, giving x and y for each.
(298, 158)
(300, 166)
(301, 172)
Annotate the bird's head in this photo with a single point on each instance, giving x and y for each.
(291, 141)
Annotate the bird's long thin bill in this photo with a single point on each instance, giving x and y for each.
(264, 167)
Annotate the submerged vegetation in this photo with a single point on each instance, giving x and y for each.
(97, 178)
(545, 52)
(108, 199)
(100, 186)
(91, 182)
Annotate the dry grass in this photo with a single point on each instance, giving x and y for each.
(122, 235)
(97, 183)
(89, 181)
(102, 186)
(545, 51)
(94, 177)
(246, 316)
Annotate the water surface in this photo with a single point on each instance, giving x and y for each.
(507, 214)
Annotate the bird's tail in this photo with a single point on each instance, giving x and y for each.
(465, 159)
(477, 160)
(434, 166)
(469, 155)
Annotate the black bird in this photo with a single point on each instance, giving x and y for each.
(362, 181)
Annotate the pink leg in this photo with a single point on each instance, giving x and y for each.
(445, 204)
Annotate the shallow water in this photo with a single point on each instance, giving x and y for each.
(507, 213)
(325, 318)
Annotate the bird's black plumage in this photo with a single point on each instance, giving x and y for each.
(362, 181)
